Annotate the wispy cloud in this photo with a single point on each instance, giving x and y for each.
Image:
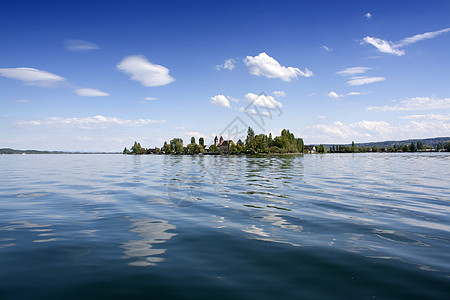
(431, 117)
(279, 94)
(368, 16)
(416, 126)
(229, 64)
(417, 103)
(326, 48)
(419, 37)
(383, 46)
(80, 45)
(264, 65)
(148, 99)
(22, 101)
(353, 71)
(359, 131)
(88, 122)
(220, 100)
(145, 72)
(333, 94)
(32, 76)
(394, 48)
(85, 92)
(361, 80)
(263, 101)
(195, 134)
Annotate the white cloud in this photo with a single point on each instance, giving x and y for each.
(220, 100)
(353, 94)
(32, 76)
(417, 103)
(258, 113)
(279, 94)
(362, 131)
(229, 64)
(264, 65)
(263, 101)
(361, 80)
(87, 122)
(416, 126)
(235, 100)
(22, 101)
(80, 45)
(145, 72)
(149, 99)
(368, 15)
(394, 48)
(195, 134)
(382, 45)
(419, 37)
(430, 117)
(328, 49)
(334, 95)
(353, 71)
(90, 93)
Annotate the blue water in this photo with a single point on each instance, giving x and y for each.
(348, 226)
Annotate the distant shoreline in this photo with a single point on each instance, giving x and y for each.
(9, 151)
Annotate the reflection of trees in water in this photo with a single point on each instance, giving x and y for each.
(152, 232)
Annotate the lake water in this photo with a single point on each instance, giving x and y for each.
(358, 226)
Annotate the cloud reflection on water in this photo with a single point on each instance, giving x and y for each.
(151, 232)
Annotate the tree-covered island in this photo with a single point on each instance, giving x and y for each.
(253, 144)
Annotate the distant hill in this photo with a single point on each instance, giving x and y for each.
(13, 151)
(431, 142)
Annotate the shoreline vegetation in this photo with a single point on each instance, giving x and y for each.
(285, 144)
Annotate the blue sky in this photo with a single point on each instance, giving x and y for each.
(98, 75)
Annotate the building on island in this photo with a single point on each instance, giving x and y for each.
(222, 145)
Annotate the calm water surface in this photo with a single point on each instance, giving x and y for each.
(179, 227)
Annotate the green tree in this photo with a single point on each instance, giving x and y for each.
(137, 149)
(412, 147)
(354, 149)
(300, 145)
(321, 149)
(177, 145)
(419, 145)
(213, 149)
(260, 143)
(193, 148)
(126, 151)
(167, 148)
(249, 141)
(447, 146)
(201, 142)
(240, 146)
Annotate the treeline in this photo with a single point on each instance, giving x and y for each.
(261, 143)
(412, 147)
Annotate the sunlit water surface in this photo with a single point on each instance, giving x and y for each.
(225, 227)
